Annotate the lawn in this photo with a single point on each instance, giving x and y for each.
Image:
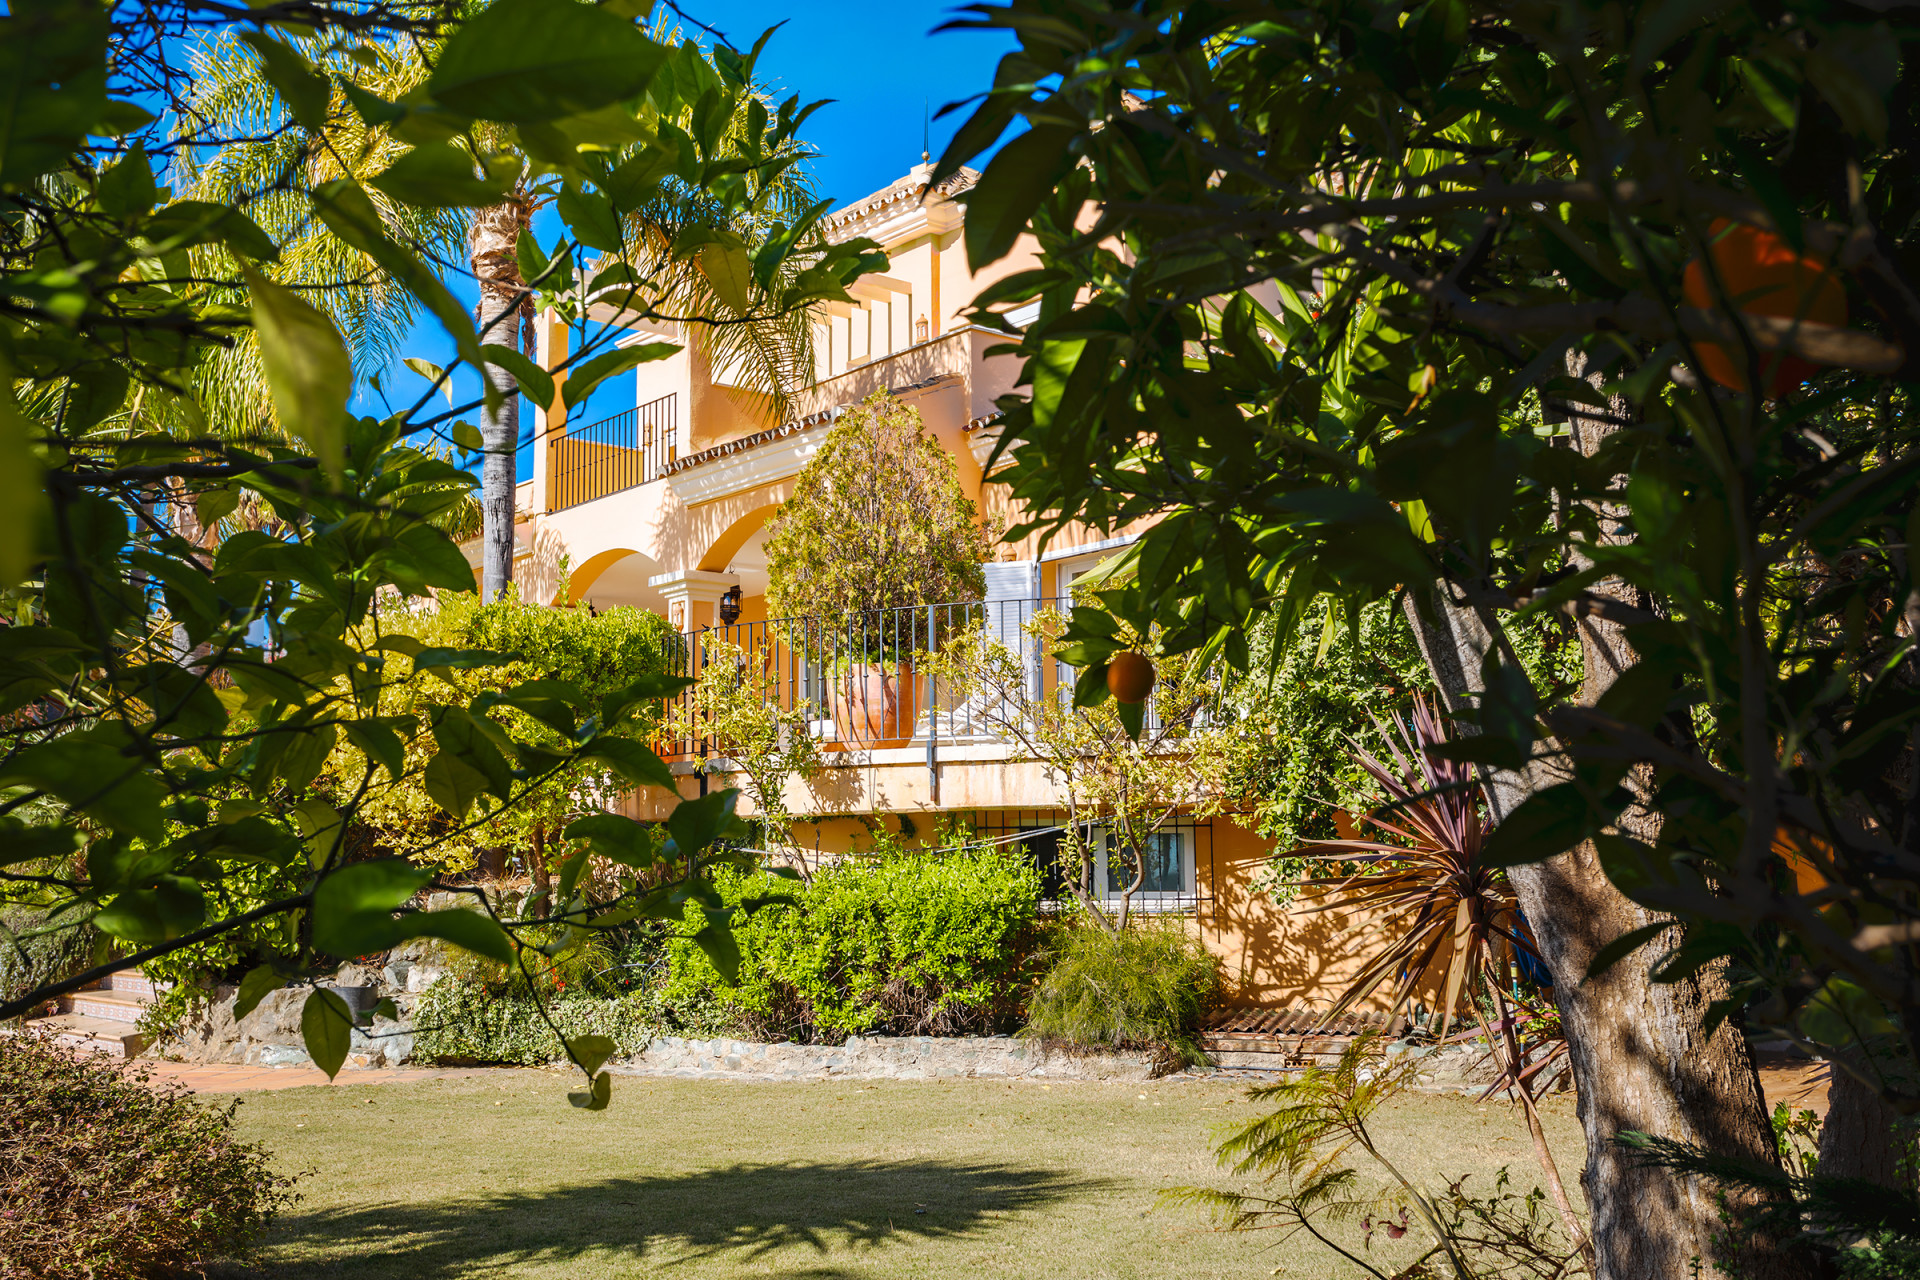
(499, 1176)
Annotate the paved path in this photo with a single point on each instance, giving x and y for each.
(226, 1078)
(1798, 1083)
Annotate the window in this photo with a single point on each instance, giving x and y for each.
(1166, 866)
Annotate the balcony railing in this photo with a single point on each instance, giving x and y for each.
(616, 453)
(865, 682)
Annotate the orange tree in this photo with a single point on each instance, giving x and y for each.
(1457, 303)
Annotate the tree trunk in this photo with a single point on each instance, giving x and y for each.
(1862, 1136)
(1640, 1058)
(490, 242)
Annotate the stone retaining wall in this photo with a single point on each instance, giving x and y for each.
(879, 1058)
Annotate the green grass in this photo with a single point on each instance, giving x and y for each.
(499, 1177)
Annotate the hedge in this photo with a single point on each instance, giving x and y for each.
(906, 944)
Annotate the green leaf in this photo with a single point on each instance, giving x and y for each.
(353, 907)
(308, 369)
(631, 760)
(432, 373)
(726, 268)
(1001, 204)
(696, 824)
(305, 91)
(590, 216)
(1546, 824)
(435, 559)
(89, 770)
(128, 186)
(23, 496)
(582, 379)
(326, 1024)
(1090, 688)
(535, 381)
(452, 784)
(618, 705)
(443, 176)
(439, 659)
(381, 746)
(173, 907)
(53, 62)
(467, 436)
(622, 840)
(591, 1052)
(186, 223)
(597, 1095)
(1623, 946)
(347, 210)
(465, 929)
(31, 844)
(261, 981)
(1133, 716)
(527, 254)
(722, 948)
(532, 60)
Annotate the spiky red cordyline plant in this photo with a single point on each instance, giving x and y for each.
(1429, 873)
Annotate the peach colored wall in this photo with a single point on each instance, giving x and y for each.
(1301, 955)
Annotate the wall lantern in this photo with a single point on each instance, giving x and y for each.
(920, 329)
(730, 606)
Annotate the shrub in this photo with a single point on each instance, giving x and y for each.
(105, 1175)
(1146, 986)
(30, 959)
(880, 472)
(909, 944)
(463, 1020)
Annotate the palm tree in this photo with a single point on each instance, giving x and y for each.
(267, 170)
(274, 163)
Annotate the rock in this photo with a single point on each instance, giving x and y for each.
(283, 1055)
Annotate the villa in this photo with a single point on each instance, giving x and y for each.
(663, 507)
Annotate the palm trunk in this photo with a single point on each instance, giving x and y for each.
(490, 242)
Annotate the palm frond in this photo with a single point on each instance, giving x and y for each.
(267, 168)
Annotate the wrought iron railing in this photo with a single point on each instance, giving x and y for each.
(864, 681)
(621, 452)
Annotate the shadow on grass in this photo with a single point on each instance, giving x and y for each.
(746, 1211)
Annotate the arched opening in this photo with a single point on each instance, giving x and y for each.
(615, 577)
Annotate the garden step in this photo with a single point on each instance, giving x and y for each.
(77, 1031)
(111, 1006)
(133, 981)
(1302, 1022)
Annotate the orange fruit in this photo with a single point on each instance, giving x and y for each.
(1130, 677)
(1762, 276)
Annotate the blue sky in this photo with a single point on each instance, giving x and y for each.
(886, 73)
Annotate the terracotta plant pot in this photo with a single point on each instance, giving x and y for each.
(1130, 677)
(875, 705)
(1763, 276)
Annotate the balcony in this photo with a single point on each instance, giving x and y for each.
(622, 452)
(865, 683)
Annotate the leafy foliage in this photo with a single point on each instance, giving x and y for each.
(105, 1173)
(1321, 1116)
(876, 521)
(172, 694)
(464, 1021)
(1147, 986)
(1365, 300)
(908, 944)
(555, 650)
(1124, 772)
(734, 708)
